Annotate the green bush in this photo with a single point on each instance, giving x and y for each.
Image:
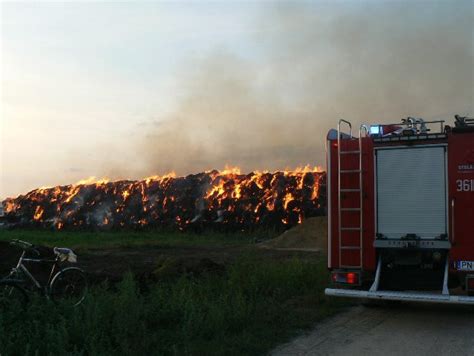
(249, 309)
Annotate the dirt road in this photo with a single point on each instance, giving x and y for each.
(405, 329)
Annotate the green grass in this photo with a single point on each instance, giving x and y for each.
(86, 240)
(249, 309)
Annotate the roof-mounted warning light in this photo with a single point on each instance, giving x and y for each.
(376, 130)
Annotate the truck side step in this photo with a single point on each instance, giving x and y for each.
(350, 171)
(350, 152)
(351, 266)
(350, 247)
(401, 296)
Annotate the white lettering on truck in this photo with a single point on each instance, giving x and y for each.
(465, 265)
(465, 185)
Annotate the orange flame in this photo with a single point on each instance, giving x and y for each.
(286, 193)
(38, 213)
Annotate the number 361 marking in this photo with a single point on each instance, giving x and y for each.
(465, 185)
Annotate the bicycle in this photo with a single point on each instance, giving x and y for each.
(63, 283)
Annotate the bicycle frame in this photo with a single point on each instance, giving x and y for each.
(21, 267)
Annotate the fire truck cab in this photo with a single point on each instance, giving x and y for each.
(401, 211)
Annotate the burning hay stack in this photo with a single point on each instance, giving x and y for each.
(229, 198)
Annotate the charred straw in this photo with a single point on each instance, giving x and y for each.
(230, 200)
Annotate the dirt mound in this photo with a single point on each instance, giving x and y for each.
(310, 235)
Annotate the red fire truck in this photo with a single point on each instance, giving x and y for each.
(401, 211)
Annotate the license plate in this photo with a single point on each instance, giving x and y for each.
(465, 265)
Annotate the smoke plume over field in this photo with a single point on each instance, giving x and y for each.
(127, 90)
(313, 65)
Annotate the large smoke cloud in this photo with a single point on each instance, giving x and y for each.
(311, 65)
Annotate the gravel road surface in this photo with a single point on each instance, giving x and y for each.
(402, 329)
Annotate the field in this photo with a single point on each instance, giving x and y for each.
(171, 293)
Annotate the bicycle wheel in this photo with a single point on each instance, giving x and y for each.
(12, 296)
(69, 284)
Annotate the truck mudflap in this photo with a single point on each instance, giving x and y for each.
(401, 296)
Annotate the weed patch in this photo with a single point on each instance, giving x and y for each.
(250, 308)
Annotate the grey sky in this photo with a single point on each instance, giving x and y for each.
(109, 88)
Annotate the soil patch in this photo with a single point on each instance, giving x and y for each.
(151, 262)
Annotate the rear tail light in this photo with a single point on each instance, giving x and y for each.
(351, 278)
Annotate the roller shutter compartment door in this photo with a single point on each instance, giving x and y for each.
(411, 192)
